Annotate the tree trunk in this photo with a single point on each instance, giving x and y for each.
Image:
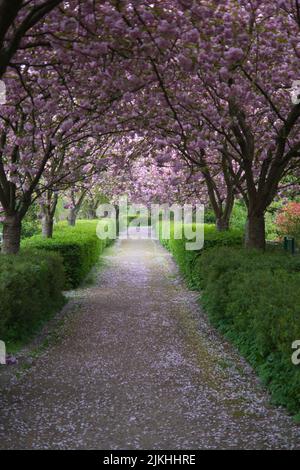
(47, 226)
(222, 224)
(92, 214)
(72, 217)
(11, 235)
(255, 233)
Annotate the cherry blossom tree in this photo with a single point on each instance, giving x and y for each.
(43, 132)
(17, 18)
(207, 82)
(73, 162)
(226, 62)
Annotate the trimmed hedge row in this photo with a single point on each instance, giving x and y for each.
(78, 246)
(32, 282)
(212, 238)
(31, 285)
(253, 298)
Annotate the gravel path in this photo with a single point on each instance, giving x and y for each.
(136, 366)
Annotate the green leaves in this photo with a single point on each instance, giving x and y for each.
(78, 246)
(31, 285)
(253, 298)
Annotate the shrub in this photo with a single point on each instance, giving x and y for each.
(31, 224)
(78, 246)
(253, 298)
(288, 220)
(212, 238)
(30, 228)
(209, 217)
(239, 215)
(31, 286)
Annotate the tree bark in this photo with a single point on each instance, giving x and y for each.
(223, 213)
(47, 226)
(222, 208)
(222, 224)
(72, 217)
(92, 214)
(11, 235)
(255, 232)
(48, 213)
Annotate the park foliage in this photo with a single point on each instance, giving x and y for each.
(254, 301)
(32, 283)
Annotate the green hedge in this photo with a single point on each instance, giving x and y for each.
(78, 246)
(253, 298)
(31, 285)
(212, 238)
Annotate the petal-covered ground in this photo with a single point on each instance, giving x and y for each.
(137, 366)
